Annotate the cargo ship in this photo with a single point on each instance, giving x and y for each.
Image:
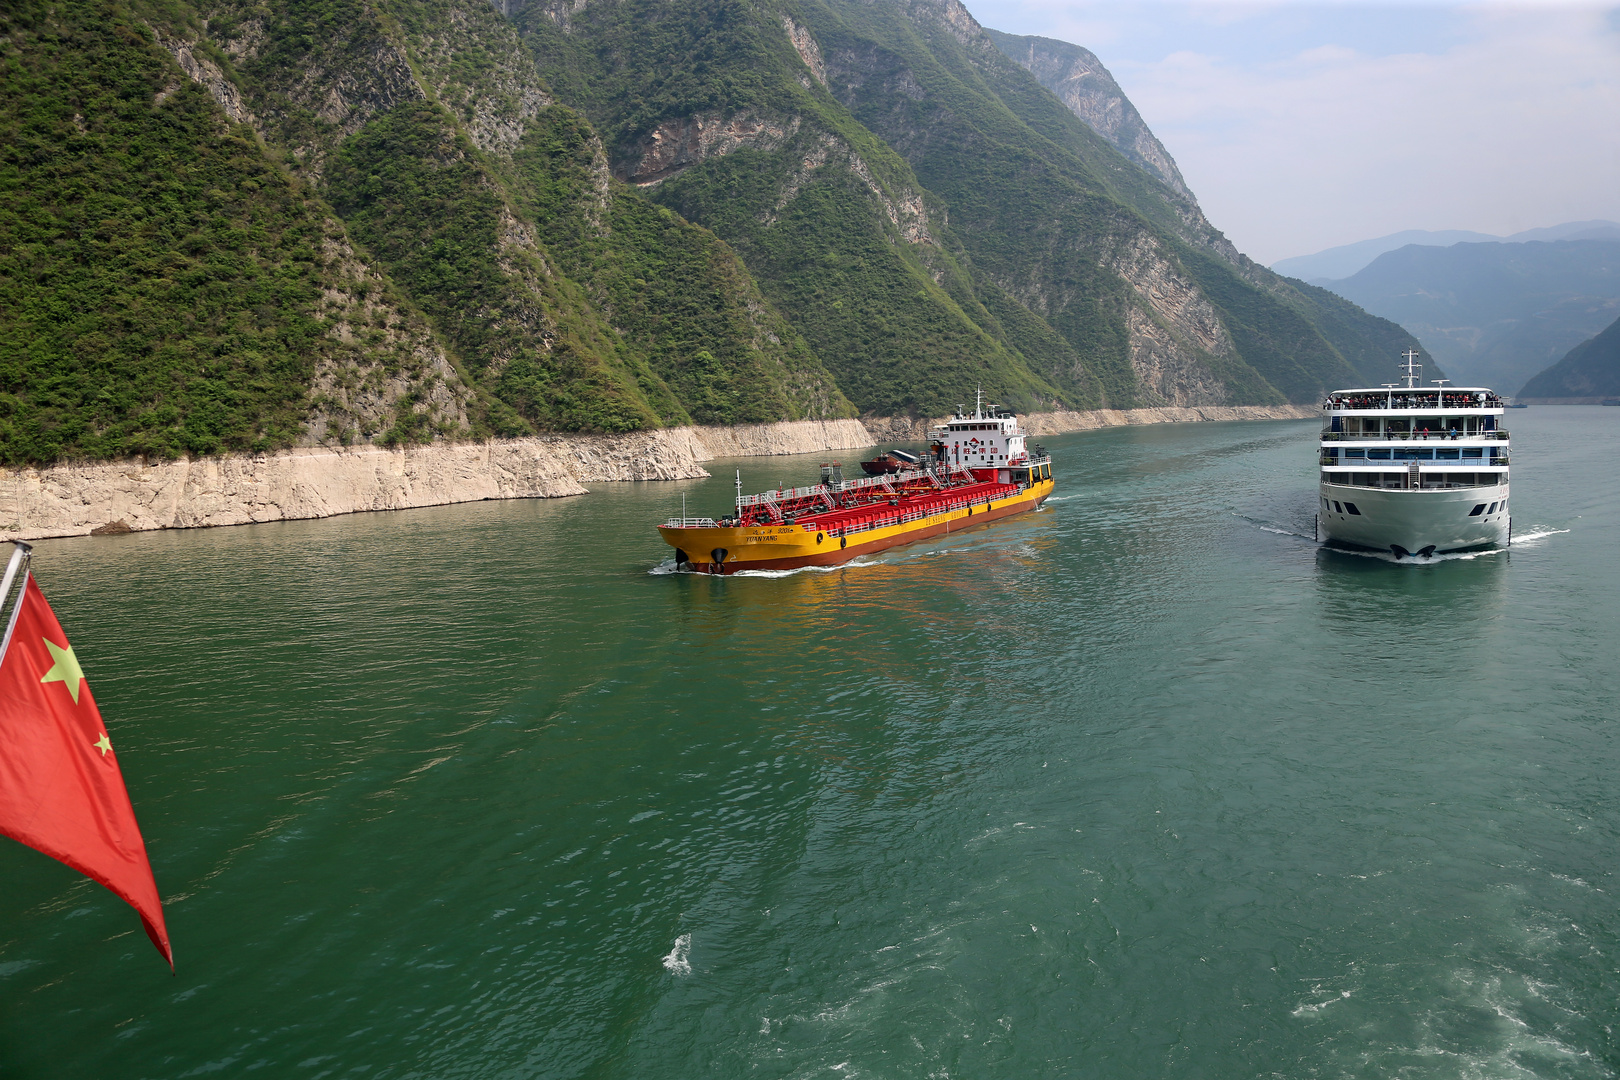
(977, 470)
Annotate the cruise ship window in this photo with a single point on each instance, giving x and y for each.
(1476, 511)
(1336, 508)
(1473, 451)
(1491, 511)
(1352, 508)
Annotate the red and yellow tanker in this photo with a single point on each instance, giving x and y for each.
(977, 470)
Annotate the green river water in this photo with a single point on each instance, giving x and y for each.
(1144, 785)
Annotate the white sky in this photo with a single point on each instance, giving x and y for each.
(1301, 125)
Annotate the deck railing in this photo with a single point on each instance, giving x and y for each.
(1410, 401)
(1426, 486)
(1413, 436)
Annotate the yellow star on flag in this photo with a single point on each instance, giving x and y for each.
(103, 744)
(66, 668)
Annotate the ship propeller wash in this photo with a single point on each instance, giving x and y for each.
(977, 470)
(1414, 470)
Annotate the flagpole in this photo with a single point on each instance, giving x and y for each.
(19, 560)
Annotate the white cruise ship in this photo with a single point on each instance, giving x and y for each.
(1414, 469)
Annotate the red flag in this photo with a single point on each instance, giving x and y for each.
(60, 788)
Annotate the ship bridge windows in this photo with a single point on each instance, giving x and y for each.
(1473, 452)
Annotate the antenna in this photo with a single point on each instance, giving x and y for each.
(739, 491)
(1413, 369)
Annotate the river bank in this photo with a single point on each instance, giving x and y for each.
(137, 495)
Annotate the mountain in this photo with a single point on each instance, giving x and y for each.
(1494, 314)
(1078, 79)
(1589, 370)
(1341, 262)
(1280, 322)
(237, 227)
(1058, 265)
(227, 226)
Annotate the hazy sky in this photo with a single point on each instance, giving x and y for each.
(1301, 125)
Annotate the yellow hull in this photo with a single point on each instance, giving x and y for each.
(722, 550)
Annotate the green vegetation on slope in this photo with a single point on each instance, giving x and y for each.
(679, 296)
(158, 278)
(897, 322)
(576, 304)
(896, 342)
(409, 231)
(410, 189)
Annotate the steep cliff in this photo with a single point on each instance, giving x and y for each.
(236, 226)
(232, 226)
(720, 111)
(1067, 268)
(1301, 338)
(166, 287)
(1079, 80)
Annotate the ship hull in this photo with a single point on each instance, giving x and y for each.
(1414, 520)
(723, 550)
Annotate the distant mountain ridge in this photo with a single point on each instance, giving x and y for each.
(1495, 313)
(1336, 263)
(1590, 371)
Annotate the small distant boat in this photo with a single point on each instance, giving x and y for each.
(1518, 405)
(891, 462)
(1611, 401)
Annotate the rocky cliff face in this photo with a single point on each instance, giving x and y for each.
(473, 105)
(1082, 83)
(449, 219)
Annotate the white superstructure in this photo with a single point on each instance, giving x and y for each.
(983, 440)
(1412, 469)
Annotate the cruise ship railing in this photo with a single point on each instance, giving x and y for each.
(1412, 436)
(1425, 486)
(1422, 401)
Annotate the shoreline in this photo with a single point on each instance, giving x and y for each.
(134, 495)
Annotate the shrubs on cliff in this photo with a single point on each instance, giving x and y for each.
(159, 281)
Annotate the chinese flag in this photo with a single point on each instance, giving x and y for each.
(60, 788)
